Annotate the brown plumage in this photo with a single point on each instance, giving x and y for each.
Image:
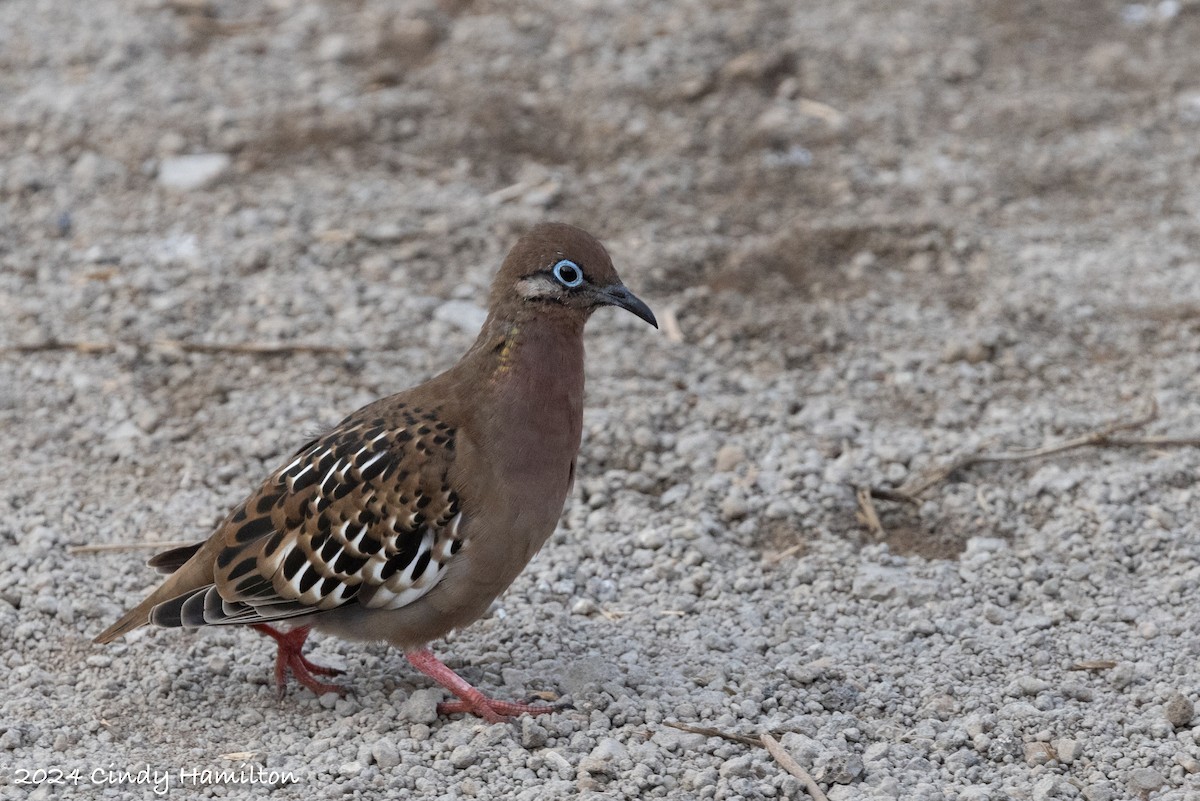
(412, 515)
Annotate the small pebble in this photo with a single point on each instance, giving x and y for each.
(1049, 788)
(385, 754)
(1099, 792)
(584, 606)
(728, 458)
(734, 507)
(46, 604)
(1038, 753)
(533, 734)
(464, 756)
(421, 706)
(1180, 710)
(187, 173)
(1145, 780)
(1067, 750)
(604, 757)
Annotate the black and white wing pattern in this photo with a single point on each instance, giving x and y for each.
(363, 515)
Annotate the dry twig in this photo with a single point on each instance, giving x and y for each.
(53, 344)
(670, 325)
(822, 111)
(1094, 665)
(1100, 438)
(257, 348)
(75, 550)
(867, 514)
(766, 741)
(707, 732)
(793, 767)
(254, 348)
(784, 554)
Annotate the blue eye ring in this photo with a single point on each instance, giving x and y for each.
(567, 273)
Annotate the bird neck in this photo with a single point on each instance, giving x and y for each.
(532, 366)
(532, 345)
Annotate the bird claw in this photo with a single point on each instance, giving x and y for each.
(320, 670)
(290, 658)
(303, 670)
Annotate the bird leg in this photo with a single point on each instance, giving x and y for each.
(291, 643)
(471, 699)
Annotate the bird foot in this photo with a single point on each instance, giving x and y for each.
(290, 658)
(471, 700)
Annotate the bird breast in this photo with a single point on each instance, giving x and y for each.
(539, 420)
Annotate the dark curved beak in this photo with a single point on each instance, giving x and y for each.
(618, 295)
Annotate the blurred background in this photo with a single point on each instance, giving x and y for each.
(714, 144)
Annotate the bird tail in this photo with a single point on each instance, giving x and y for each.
(138, 616)
(186, 577)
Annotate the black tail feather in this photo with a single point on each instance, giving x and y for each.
(170, 614)
(171, 560)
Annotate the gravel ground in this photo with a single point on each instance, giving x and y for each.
(889, 238)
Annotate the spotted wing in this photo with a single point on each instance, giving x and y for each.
(364, 515)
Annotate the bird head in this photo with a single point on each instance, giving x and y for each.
(561, 267)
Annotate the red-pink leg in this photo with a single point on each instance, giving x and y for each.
(472, 700)
(291, 643)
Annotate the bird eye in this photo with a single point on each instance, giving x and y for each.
(568, 273)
